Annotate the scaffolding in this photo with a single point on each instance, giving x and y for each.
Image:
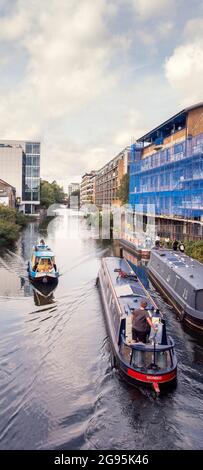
(171, 179)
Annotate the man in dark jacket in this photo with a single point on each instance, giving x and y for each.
(141, 323)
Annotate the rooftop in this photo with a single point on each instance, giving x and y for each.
(186, 267)
(174, 123)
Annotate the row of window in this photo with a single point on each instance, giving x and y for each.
(175, 153)
(32, 160)
(32, 147)
(32, 171)
(31, 196)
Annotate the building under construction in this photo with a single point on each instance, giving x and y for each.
(166, 171)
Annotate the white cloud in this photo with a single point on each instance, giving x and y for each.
(184, 69)
(75, 83)
(150, 8)
(68, 50)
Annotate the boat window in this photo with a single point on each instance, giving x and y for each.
(199, 300)
(177, 278)
(185, 294)
(126, 352)
(145, 359)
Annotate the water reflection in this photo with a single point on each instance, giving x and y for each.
(57, 387)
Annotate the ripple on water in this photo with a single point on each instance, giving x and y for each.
(57, 387)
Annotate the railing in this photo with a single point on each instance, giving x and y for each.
(149, 347)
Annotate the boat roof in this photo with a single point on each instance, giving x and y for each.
(129, 293)
(44, 253)
(188, 268)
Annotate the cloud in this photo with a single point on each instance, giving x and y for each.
(152, 8)
(68, 48)
(184, 68)
(82, 80)
(68, 51)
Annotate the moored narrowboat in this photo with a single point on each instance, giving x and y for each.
(42, 266)
(179, 279)
(153, 362)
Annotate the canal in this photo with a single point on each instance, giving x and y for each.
(57, 387)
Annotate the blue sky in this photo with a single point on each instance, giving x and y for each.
(88, 77)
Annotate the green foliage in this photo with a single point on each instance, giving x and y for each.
(123, 190)
(9, 233)
(11, 221)
(195, 250)
(21, 219)
(51, 193)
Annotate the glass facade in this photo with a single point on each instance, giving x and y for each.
(171, 179)
(31, 172)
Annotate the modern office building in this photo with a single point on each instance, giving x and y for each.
(166, 171)
(7, 194)
(109, 177)
(72, 187)
(20, 167)
(87, 188)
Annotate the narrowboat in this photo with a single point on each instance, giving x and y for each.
(179, 279)
(140, 249)
(154, 362)
(42, 266)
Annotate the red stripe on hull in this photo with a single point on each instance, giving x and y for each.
(152, 378)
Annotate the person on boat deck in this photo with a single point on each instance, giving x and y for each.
(181, 247)
(175, 245)
(141, 323)
(157, 241)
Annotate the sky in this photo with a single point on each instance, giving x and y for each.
(89, 77)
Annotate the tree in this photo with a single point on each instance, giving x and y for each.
(123, 190)
(46, 194)
(58, 191)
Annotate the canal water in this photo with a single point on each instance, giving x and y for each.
(57, 387)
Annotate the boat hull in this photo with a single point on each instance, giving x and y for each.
(132, 376)
(190, 321)
(43, 278)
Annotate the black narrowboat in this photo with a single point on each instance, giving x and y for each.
(179, 279)
(153, 363)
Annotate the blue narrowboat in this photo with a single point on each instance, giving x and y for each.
(42, 266)
(153, 362)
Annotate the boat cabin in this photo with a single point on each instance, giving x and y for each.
(121, 296)
(43, 261)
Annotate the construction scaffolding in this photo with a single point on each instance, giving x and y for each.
(171, 179)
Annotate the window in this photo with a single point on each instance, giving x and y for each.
(126, 352)
(185, 294)
(178, 148)
(32, 147)
(199, 300)
(145, 359)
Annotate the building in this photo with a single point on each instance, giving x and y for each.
(72, 187)
(7, 194)
(166, 171)
(109, 177)
(20, 166)
(87, 188)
